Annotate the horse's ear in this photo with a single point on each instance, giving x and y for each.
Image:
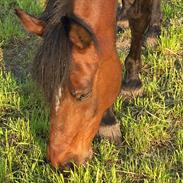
(79, 36)
(30, 23)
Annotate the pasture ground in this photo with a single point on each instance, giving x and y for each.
(151, 125)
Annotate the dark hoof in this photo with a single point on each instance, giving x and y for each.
(131, 89)
(111, 133)
(152, 36)
(81, 94)
(151, 42)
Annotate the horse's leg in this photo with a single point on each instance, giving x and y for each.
(154, 29)
(122, 13)
(139, 18)
(110, 128)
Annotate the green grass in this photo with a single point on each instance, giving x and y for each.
(152, 126)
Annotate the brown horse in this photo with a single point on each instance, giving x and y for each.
(79, 71)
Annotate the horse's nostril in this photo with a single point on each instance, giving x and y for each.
(68, 166)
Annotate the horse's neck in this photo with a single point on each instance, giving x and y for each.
(100, 15)
(96, 12)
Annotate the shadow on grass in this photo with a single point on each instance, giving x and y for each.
(17, 60)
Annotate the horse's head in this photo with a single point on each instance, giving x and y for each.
(70, 68)
(65, 67)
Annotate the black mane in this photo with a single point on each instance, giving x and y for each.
(55, 9)
(51, 64)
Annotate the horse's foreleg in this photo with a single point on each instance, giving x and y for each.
(139, 18)
(122, 17)
(154, 29)
(109, 127)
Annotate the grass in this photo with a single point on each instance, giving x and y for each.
(152, 126)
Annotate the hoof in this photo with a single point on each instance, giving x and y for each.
(151, 42)
(111, 133)
(152, 36)
(131, 89)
